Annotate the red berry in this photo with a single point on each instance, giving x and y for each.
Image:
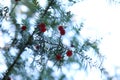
(23, 28)
(58, 57)
(62, 32)
(69, 53)
(60, 28)
(42, 27)
(37, 46)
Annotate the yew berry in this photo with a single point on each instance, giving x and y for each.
(42, 27)
(23, 28)
(60, 28)
(37, 46)
(58, 57)
(69, 53)
(62, 32)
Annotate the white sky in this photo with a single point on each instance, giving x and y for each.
(101, 20)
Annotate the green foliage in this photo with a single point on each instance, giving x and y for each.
(49, 43)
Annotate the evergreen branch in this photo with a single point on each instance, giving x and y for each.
(17, 58)
(52, 1)
(24, 46)
(7, 47)
(13, 9)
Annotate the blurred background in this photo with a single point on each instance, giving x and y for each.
(101, 22)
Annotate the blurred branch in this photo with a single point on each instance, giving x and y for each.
(13, 9)
(17, 58)
(50, 3)
(8, 71)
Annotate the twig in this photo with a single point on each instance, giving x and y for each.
(17, 58)
(13, 9)
(52, 1)
(22, 49)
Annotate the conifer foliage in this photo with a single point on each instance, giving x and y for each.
(39, 36)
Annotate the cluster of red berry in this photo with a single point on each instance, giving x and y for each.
(42, 28)
(23, 28)
(61, 29)
(59, 57)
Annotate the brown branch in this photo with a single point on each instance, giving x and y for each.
(52, 1)
(24, 46)
(17, 58)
